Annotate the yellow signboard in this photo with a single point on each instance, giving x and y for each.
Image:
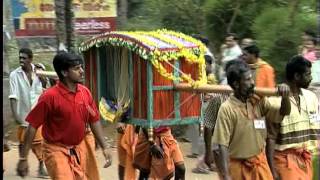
(38, 16)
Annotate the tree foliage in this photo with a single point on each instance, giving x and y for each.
(275, 24)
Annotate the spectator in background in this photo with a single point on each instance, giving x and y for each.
(309, 50)
(315, 71)
(230, 51)
(262, 72)
(307, 45)
(246, 42)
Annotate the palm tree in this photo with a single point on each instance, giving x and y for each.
(64, 25)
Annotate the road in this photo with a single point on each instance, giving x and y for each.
(11, 159)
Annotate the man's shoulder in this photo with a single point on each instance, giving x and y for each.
(83, 88)
(15, 71)
(264, 64)
(309, 94)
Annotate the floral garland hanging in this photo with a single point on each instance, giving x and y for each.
(136, 41)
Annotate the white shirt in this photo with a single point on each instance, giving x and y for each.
(231, 53)
(26, 95)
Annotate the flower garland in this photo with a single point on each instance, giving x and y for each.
(155, 55)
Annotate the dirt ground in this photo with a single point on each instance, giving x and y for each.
(11, 158)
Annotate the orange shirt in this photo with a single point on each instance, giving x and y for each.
(264, 75)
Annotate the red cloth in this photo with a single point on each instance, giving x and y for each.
(161, 129)
(64, 114)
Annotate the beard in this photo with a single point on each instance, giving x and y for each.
(250, 91)
(305, 85)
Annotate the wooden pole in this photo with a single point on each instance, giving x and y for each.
(49, 74)
(222, 89)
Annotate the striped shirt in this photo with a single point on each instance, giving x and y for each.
(301, 128)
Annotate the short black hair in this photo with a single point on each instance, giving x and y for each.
(204, 40)
(64, 60)
(234, 70)
(234, 35)
(252, 49)
(26, 51)
(310, 33)
(297, 64)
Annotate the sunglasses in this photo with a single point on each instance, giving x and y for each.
(21, 57)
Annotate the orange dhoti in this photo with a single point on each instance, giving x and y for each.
(64, 162)
(293, 164)
(254, 168)
(126, 149)
(91, 164)
(36, 143)
(158, 168)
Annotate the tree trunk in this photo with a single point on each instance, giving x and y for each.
(234, 16)
(64, 25)
(294, 5)
(122, 12)
(69, 24)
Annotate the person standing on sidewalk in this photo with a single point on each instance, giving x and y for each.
(25, 89)
(65, 111)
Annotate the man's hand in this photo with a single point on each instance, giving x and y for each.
(283, 90)
(156, 151)
(121, 127)
(23, 168)
(208, 158)
(108, 158)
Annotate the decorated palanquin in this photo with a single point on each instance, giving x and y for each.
(138, 69)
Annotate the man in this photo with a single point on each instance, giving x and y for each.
(246, 42)
(25, 89)
(230, 52)
(264, 78)
(193, 129)
(65, 111)
(296, 136)
(127, 140)
(263, 73)
(158, 157)
(240, 130)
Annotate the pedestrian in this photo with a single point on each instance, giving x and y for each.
(158, 157)
(65, 111)
(296, 136)
(25, 89)
(230, 51)
(240, 128)
(262, 72)
(246, 42)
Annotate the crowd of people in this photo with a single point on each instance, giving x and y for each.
(246, 135)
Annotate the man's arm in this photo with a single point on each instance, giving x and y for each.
(284, 91)
(13, 105)
(96, 128)
(223, 162)
(270, 154)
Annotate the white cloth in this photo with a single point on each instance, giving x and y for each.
(231, 53)
(26, 95)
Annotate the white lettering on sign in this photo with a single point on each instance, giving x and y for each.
(92, 24)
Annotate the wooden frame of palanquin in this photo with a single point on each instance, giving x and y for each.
(145, 78)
